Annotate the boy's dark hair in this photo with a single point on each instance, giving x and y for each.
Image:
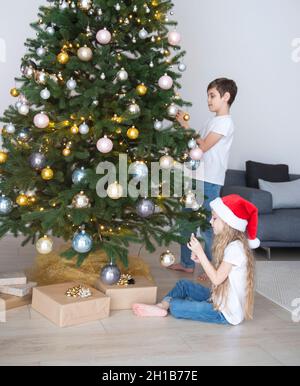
(224, 85)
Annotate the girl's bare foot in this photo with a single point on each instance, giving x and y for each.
(148, 310)
(179, 267)
(203, 277)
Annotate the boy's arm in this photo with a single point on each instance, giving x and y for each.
(210, 141)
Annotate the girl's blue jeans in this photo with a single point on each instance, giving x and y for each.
(189, 300)
(211, 192)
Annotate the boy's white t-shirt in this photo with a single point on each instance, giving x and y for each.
(216, 159)
(233, 311)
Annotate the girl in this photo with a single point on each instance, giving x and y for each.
(230, 300)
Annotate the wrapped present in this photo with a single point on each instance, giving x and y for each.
(19, 290)
(124, 295)
(11, 278)
(8, 301)
(70, 304)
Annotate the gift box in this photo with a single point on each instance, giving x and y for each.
(122, 298)
(19, 290)
(51, 301)
(8, 301)
(11, 278)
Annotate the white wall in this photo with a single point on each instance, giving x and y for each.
(249, 41)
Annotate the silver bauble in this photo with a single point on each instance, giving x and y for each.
(145, 208)
(134, 109)
(192, 164)
(110, 274)
(37, 161)
(143, 34)
(50, 30)
(71, 84)
(167, 259)
(84, 129)
(172, 111)
(41, 51)
(23, 109)
(23, 135)
(181, 67)
(45, 94)
(158, 125)
(139, 170)
(192, 144)
(6, 205)
(81, 201)
(82, 242)
(122, 75)
(10, 128)
(79, 176)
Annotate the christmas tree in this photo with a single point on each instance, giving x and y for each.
(100, 80)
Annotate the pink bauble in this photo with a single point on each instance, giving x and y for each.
(41, 121)
(105, 145)
(165, 82)
(174, 38)
(103, 36)
(196, 154)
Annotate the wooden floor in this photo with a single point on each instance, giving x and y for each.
(123, 339)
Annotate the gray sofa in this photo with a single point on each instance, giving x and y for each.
(276, 228)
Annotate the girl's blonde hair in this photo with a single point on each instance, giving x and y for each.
(220, 292)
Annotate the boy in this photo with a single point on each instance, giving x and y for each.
(215, 141)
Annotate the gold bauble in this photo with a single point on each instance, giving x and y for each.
(47, 174)
(22, 200)
(133, 133)
(32, 200)
(66, 152)
(167, 53)
(119, 130)
(14, 92)
(186, 117)
(154, 3)
(141, 89)
(3, 157)
(63, 58)
(74, 129)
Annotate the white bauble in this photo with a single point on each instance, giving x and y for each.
(23, 109)
(44, 245)
(115, 191)
(45, 94)
(10, 128)
(143, 34)
(71, 84)
(166, 162)
(84, 129)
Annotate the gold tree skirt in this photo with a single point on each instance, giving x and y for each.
(54, 269)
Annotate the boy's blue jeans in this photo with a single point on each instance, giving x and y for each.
(211, 191)
(189, 300)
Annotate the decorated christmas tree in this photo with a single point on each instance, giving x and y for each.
(99, 86)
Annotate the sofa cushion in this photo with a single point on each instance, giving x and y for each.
(281, 225)
(285, 194)
(272, 173)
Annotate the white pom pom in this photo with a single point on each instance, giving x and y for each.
(253, 244)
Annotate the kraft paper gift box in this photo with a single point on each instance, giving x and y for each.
(11, 278)
(122, 298)
(8, 301)
(51, 302)
(19, 290)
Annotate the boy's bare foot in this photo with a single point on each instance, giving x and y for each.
(179, 267)
(148, 310)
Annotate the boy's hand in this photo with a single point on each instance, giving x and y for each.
(195, 246)
(179, 118)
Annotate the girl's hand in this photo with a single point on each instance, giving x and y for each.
(195, 246)
(195, 258)
(179, 118)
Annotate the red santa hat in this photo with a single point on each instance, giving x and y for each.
(239, 214)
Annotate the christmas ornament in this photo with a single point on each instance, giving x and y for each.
(41, 51)
(63, 57)
(158, 125)
(28, 72)
(50, 30)
(143, 34)
(44, 245)
(122, 75)
(23, 135)
(186, 117)
(45, 94)
(192, 164)
(81, 201)
(151, 65)
(14, 92)
(22, 200)
(166, 162)
(126, 280)
(10, 128)
(82, 242)
(196, 154)
(78, 292)
(192, 143)
(134, 109)
(145, 208)
(74, 129)
(103, 36)
(115, 191)
(165, 82)
(133, 133)
(3, 157)
(102, 76)
(6, 205)
(41, 77)
(141, 89)
(79, 176)
(41, 120)
(66, 152)
(23, 109)
(47, 174)
(71, 84)
(85, 5)
(85, 54)
(37, 161)
(190, 199)
(138, 170)
(167, 259)
(105, 145)
(117, 7)
(110, 274)
(172, 110)
(181, 67)
(84, 129)
(63, 5)
(174, 38)
(195, 206)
